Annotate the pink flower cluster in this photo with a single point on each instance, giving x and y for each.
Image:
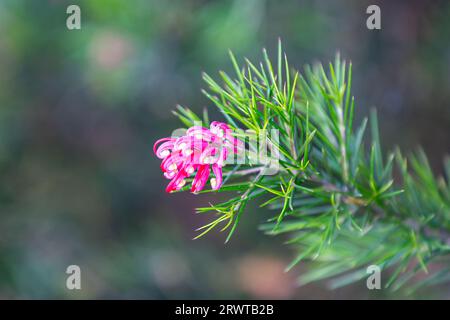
(200, 150)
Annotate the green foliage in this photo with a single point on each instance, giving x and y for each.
(341, 202)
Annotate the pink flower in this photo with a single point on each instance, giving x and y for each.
(199, 150)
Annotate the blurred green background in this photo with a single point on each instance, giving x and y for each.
(80, 110)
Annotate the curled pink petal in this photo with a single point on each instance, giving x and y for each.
(220, 129)
(183, 142)
(200, 178)
(200, 133)
(216, 124)
(170, 174)
(167, 142)
(172, 162)
(216, 182)
(177, 183)
(164, 149)
(190, 168)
